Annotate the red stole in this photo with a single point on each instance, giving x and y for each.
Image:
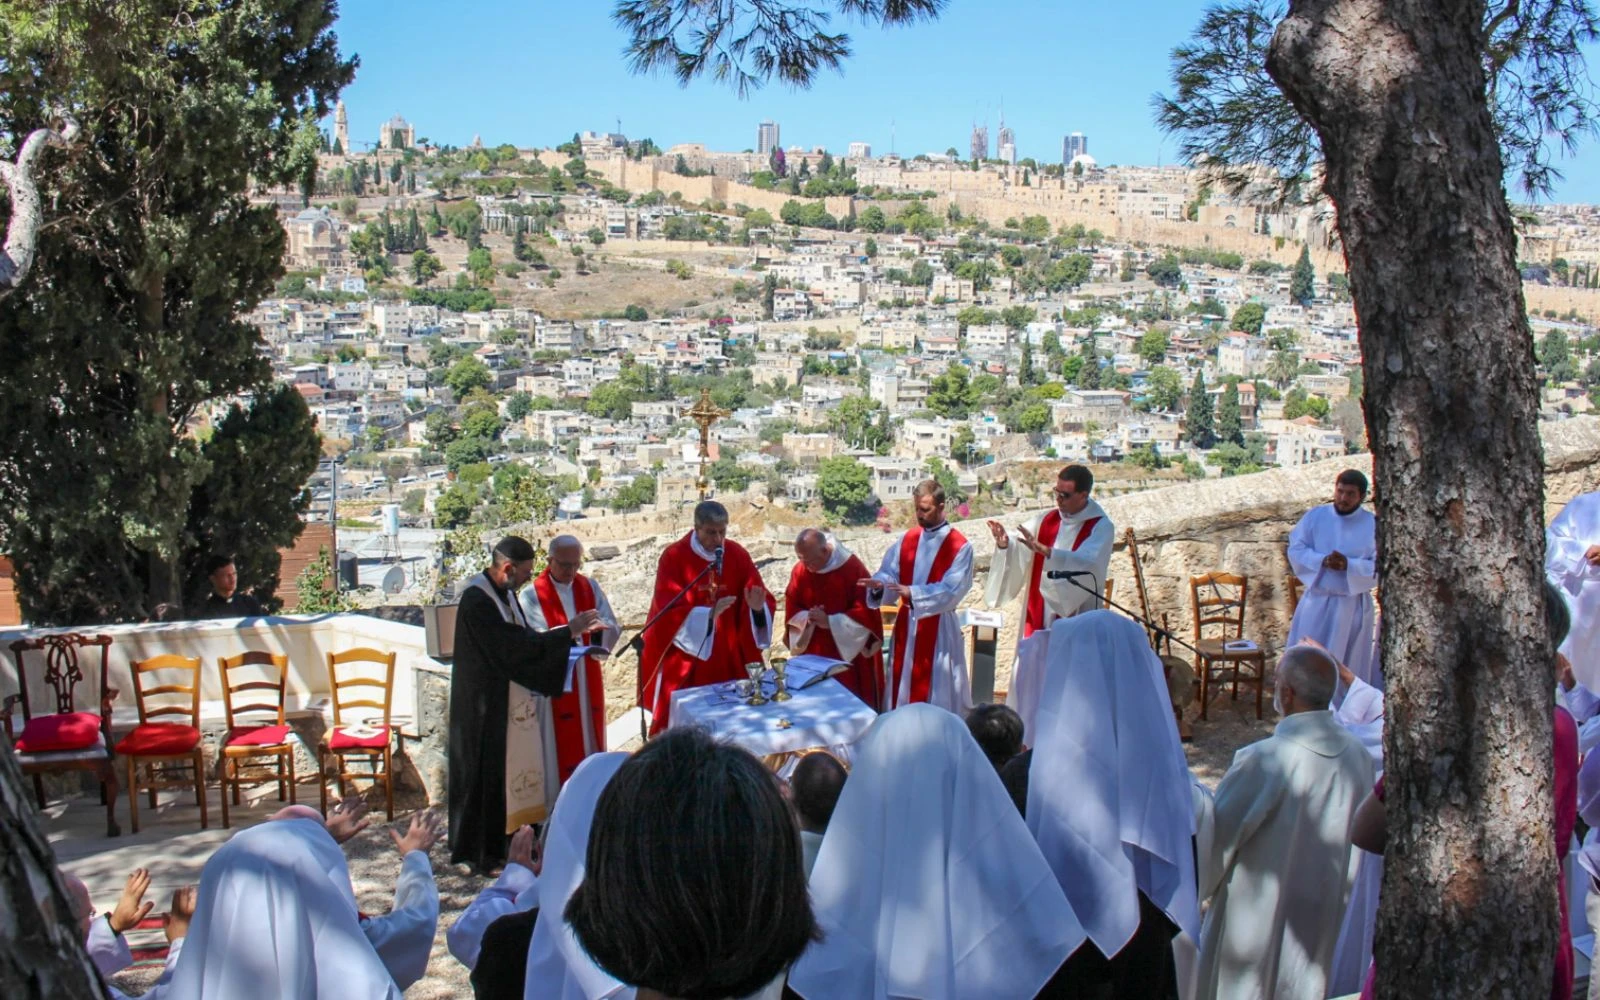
(1049, 529)
(588, 690)
(927, 636)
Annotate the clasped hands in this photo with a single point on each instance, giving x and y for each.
(1335, 560)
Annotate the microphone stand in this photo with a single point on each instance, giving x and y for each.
(1160, 634)
(637, 642)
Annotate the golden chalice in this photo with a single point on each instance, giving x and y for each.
(755, 670)
(779, 665)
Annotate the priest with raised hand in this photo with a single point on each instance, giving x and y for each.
(721, 621)
(828, 614)
(928, 570)
(557, 594)
(1075, 538)
(502, 739)
(1334, 552)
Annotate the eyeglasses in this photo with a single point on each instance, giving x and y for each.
(560, 564)
(1064, 496)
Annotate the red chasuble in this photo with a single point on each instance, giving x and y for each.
(588, 694)
(838, 594)
(664, 668)
(1049, 530)
(927, 628)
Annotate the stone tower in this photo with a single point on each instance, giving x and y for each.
(341, 129)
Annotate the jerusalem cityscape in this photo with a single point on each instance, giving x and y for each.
(454, 544)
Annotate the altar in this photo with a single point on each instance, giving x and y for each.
(824, 715)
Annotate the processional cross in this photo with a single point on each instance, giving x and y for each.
(704, 414)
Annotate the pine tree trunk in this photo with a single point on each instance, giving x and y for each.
(1396, 90)
(41, 953)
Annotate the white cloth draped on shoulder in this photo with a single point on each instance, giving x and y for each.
(928, 884)
(1566, 540)
(1336, 608)
(276, 919)
(1109, 798)
(558, 967)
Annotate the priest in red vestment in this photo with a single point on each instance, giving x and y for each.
(722, 621)
(556, 595)
(827, 614)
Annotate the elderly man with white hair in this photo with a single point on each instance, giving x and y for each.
(1279, 867)
(557, 594)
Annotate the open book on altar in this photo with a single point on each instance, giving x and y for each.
(804, 671)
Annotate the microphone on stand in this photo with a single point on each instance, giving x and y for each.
(1067, 574)
(716, 557)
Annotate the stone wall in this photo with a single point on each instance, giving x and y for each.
(1239, 524)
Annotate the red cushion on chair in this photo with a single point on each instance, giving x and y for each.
(258, 736)
(157, 739)
(59, 733)
(341, 740)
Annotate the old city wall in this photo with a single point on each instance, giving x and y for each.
(1239, 524)
(1584, 301)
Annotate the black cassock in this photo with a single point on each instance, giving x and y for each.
(491, 652)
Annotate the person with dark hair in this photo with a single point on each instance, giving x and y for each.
(928, 570)
(1075, 537)
(814, 787)
(226, 600)
(928, 885)
(998, 730)
(722, 621)
(693, 887)
(501, 669)
(1334, 552)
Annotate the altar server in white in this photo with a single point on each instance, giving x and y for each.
(1280, 867)
(1334, 552)
(1572, 563)
(929, 571)
(1075, 538)
(1110, 798)
(927, 884)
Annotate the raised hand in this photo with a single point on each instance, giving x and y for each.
(348, 818)
(998, 530)
(1033, 544)
(426, 827)
(131, 907)
(723, 604)
(521, 851)
(755, 597)
(176, 922)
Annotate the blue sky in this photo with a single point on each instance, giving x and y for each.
(533, 72)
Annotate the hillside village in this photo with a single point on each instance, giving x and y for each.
(496, 335)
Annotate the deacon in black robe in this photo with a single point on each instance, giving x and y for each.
(490, 653)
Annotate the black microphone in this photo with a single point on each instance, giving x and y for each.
(716, 557)
(1067, 574)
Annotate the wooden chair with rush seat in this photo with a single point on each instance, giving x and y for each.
(372, 739)
(160, 746)
(260, 744)
(1218, 599)
(65, 739)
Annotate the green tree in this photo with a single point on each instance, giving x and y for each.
(1018, 317)
(1026, 376)
(1249, 317)
(1164, 388)
(440, 429)
(424, 267)
(769, 288)
(971, 316)
(148, 255)
(1166, 271)
(844, 486)
(1282, 368)
(1153, 345)
(466, 375)
(481, 265)
(577, 169)
(950, 393)
(454, 507)
(1199, 419)
(1089, 365)
(482, 421)
(1555, 355)
(1229, 425)
(635, 494)
(1302, 284)
(635, 314)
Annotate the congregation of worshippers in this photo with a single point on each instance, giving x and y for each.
(1054, 845)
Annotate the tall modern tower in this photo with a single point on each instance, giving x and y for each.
(1006, 143)
(766, 137)
(980, 142)
(1074, 146)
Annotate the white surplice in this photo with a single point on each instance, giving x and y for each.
(1566, 540)
(1011, 574)
(609, 634)
(274, 920)
(1109, 799)
(1361, 714)
(558, 967)
(928, 884)
(1281, 864)
(516, 889)
(1336, 607)
(933, 605)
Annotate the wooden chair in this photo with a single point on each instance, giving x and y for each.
(65, 739)
(1218, 599)
(1111, 587)
(260, 743)
(160, 746)
(373, 750)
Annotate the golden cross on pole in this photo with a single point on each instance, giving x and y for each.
(704, 414)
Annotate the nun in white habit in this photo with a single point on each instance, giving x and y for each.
(1109, 797)
(558, 967)
(928, 884)
(276, 919)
